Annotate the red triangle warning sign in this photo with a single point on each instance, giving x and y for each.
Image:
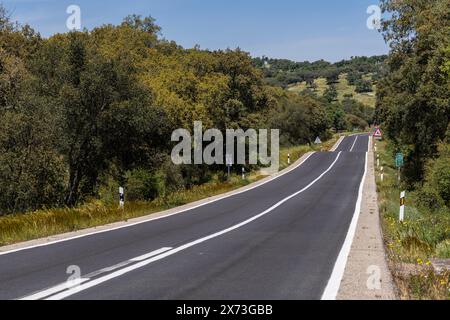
(378, 133)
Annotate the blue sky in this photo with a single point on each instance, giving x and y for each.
(293, 29)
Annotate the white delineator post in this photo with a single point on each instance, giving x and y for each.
(243, 173)
(121, 198)
(402, 206)
(289, 158)
(382, 174)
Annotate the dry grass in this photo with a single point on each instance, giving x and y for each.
(44, 223)
(412, 244)
(423, 283)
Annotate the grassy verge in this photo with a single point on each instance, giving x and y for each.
(413, 244)
(44, 223)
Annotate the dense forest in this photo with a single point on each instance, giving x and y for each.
(414, 95)
(84, 112)
(413, 107)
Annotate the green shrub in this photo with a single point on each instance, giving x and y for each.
(356, 122)
(428, 198)
(195, 175)
(438, 175)
(443, 249)
(363, 86)
(173, 178)
(109, 190)
(143, 185)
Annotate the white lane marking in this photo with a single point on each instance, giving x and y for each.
(354, 144)
(151, 254)
(65, 285)
(161, 217)
(42, 294)
(108, 269)
(338, 144)
(144, 263)
(334, 284)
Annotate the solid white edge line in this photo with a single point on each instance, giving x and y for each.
(144, 263)
(158, 218)
(334, 284)
(50, 291)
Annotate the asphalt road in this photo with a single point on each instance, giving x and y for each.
(277, 241)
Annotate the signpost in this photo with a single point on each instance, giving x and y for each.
(399, 160)
(399, 163)
(378, 135)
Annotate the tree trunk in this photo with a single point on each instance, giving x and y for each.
(72, 188)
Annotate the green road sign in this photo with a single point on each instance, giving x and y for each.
(399, 160)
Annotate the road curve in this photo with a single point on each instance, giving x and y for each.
(280, 240)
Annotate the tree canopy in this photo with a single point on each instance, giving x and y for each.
(413, 97)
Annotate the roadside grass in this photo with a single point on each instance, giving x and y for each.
(49, 222)
(343, 89)
(414, 243)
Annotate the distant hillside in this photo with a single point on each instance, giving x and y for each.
(343, 88)
(355, 78)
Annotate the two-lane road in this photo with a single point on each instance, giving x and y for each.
(280, 240)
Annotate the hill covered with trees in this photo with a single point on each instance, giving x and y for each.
(283, 73)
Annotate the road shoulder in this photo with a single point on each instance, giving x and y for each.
(148, 218)
(367, 275)
(123, 224)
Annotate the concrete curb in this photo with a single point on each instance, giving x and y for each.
(367, 275)
(147, 218)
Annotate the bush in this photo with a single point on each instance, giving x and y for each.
(195, 175)
(173, 178)
(443, 249)
(144, 185)
(428, 198)
(363, 86)
(438, 175)
(109, 190)
(356, 122)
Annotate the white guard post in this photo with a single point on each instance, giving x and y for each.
(402, 206)
(121, 198)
